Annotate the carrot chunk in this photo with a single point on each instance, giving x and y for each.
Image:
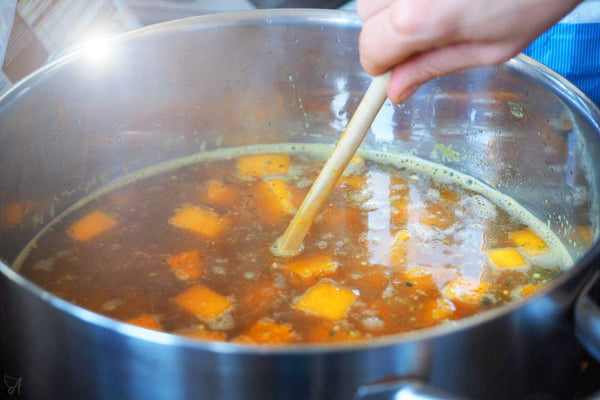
(91, 225)
(186, 265)
(274, 199)
(219, 193)
(259, 165)
(311, 266)
(267, 331)
(203, 302)
(531, 244)
(200, 220)
(465, 290)
(326, 300)
(147, 321)
(506, 258)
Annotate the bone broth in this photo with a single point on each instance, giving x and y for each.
(402, 244)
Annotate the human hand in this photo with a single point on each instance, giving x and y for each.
(422, 39)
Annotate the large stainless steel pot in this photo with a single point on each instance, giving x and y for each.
(276, 76)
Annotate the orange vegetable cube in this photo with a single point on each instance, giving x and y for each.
(401, 237)
(585, 232)
(243, 339)
(353, 182)
(205, 335)
(259, 165)
(12, 214)
(258, 299)
(421, 277)
(326, 300)
(203, 302)
(219, 193)
(399, 212)
(326, 331)
(531, 244)
(91, 225)
(200, 220)
(506, 258)
(147, 321)
(340, 219)
(528, 290)
(465, 290)
(355, 166)
(274, 199)
(311, 266)
(186, 265)
(267, 331)
(399, 249)
(441, 308)
(449, 194)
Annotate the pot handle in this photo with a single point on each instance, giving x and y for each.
(408, 388)
(587, 317)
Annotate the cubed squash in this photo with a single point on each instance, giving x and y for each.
(12, 214)
(147, 321)
(214, 336)
(399, 212)
(201, 221)
(326, 300)
(401, 237)
(585, 233)
(438, 310)
(93, 224)
(530, 243)
(258, 298)
(311, 266)
(399, 249)
(421, 277)
(465, 290)
(356, 165)
(324, 331)
(260, 165)
(275, 200)
(529, 289)
(267, 331)
(186, 265)
(203, 302)
(218, 193)
(508, 258)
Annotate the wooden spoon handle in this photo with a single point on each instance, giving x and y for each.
(290, 243)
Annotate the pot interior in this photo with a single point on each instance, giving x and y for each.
(239, 79)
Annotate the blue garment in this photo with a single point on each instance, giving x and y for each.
(572, 50)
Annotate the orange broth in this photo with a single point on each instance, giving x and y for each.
(187, 252)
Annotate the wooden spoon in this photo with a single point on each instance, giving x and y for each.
(290, 243)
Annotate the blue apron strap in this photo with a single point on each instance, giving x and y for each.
(572, 50)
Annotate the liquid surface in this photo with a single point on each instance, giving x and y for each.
(402, 245)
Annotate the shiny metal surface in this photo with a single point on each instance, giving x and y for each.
(283, 76)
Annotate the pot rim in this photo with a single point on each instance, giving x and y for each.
(524, 64)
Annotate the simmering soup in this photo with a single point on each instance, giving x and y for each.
(402, 244)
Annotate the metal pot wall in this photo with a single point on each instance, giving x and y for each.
(284, 76)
